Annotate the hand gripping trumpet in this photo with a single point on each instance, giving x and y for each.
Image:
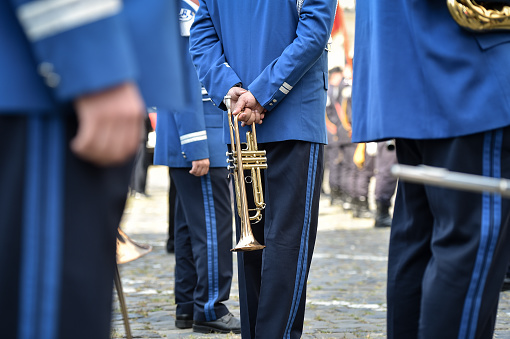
(239, 159)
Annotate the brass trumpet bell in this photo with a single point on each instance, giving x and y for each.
(129, 250)
(252, 159)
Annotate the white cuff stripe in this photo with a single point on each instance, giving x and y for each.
(45, 18)
(187, 141)
(193, 135)
(287, 86)
(284, 90)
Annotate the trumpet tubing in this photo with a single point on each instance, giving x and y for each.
(252, 159)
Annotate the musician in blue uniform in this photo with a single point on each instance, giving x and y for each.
(190, 144)
(271, 58)
(442, 92)
(76, 78)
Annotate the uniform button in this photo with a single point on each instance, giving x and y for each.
(270, 104)
(184, 155)
(274, 100)
(51, 78)
(45, 68)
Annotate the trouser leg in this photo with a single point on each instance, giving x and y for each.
(207, 209)
(448, 248)
(273, 289)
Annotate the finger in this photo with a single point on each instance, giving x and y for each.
(262, 116)
(252, 118)
(240, 105)
(238, 91)
(245, 116)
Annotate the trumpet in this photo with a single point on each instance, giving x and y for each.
(252, 159)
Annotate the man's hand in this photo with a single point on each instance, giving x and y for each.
(109, 125)
(235, 93)
(199, 167)
(249, 109)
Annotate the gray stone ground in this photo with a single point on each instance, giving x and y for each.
(346, 287)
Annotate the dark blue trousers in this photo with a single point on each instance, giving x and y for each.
(272, 281)
(203, 239)
(449, 249)
(58, 227)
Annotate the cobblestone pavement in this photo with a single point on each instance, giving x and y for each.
(346, 286)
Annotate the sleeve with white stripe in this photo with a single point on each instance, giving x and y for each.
(82, 46)
(192, 129)
(313, 32)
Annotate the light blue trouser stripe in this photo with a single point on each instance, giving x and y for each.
(212, 248)
(303, 250)
(490, 227)
(42, 230)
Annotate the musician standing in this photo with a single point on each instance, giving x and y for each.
(277, 51)
(442, 92)
(73, 78)
(190, 143)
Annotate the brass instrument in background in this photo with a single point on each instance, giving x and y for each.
(127, 250)
(479, 16)
(249, 158)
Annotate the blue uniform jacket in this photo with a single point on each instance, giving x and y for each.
(458, 84)
(54, 51)
(276, 53)
(197, 133)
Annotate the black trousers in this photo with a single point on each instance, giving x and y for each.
(272, 281)
(449, 248)
(57, 232)
(203, 239)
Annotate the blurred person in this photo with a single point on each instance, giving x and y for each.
(338, 136)
(72, 96)
(385, 182)
(273, 63)
(363, 158)
(358, 164)
(190, 144)
(442, 92)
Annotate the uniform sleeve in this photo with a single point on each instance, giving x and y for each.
(81, 46)
(192, 133)
(207, 53)
(313, 32)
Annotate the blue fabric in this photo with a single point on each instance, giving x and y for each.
(447, 261)
(42, 250)
(418, 75)
(203, 239)
(302, 265)
(198, 116)
(212, 247)
(97, 55)
(281, 59)
(490, 227)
